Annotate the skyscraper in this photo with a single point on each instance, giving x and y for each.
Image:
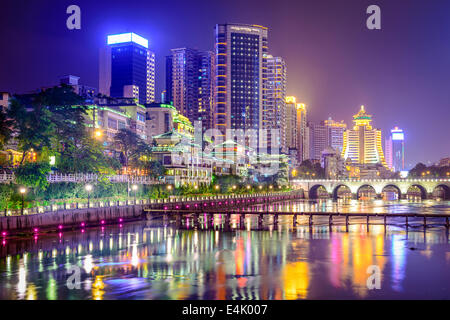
(189, 84)
(335, 134)
(241, 53)
(362, 144)
(395, 150)
(185, 71)
(318, 139)
(296, 130)
(303, 133)
(206, 89)
(274, 101)
(127, 68)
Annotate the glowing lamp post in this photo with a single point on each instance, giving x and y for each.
(22, 191)
(134, 187)
(88, 188)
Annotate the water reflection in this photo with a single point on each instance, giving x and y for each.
(159, 260)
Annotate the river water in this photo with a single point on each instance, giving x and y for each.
(166, 259)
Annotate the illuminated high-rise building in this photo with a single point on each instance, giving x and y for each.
(189, 84)
(296, 130)
(395, 150)
(362, 143)
(303, 133)
(274, 102)
(318, 139)
(206, 89)
(241, 58)
(127, 68)
(335, 134)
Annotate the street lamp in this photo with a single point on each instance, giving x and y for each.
(98, 133)
(22, 191)
(248, 187)
(134, 187)
(217, 187)
(88, 188)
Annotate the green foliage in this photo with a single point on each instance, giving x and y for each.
(310, 170)
(32, 122)
(226, 183)
(6, 191)
(87, 158)
(6, 126)
(131, 146)
(422, 171)
(33, 175)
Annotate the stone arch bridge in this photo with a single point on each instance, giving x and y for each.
(426, 186)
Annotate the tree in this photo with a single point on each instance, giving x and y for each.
(33, 175)
(67, 114)
(6, 126)
(131, 146)
(87, 157)
(32, 123)
(310, 170)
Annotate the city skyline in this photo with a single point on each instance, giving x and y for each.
(383, 80)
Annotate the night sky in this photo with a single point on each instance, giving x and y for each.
(335, 64)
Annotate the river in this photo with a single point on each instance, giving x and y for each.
(159, 259)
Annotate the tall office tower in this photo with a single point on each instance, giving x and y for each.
(241, 54)
(185, 73)
(206, 89)
(189, 84)
(291, 135)
(303, 133)
(168, 98)
(274, 101)
(318, 140)
(127, 66)
(335, 133)
(395, 150)
(362, 144)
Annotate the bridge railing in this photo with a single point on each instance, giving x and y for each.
(371, 180)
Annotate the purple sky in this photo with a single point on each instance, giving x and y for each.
(335, 64)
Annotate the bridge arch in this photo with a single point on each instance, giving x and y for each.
(313, 190)
(372, 188)
(336, 189)
(446, 191)
(423, 191)
(399, 191)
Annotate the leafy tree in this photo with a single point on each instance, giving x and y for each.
(310, 170)
(88, 157)
(153, 168)
(67, 114)
(131, 146)
(6, 126)
(33, 175)
(32, 122)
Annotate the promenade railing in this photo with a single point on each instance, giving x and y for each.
(101, 203)
(89, 177)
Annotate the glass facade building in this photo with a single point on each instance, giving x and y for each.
(395, 150)
(240, 64)
(128, 64)
(189, 84)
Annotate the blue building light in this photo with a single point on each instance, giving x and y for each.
(127, 37)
